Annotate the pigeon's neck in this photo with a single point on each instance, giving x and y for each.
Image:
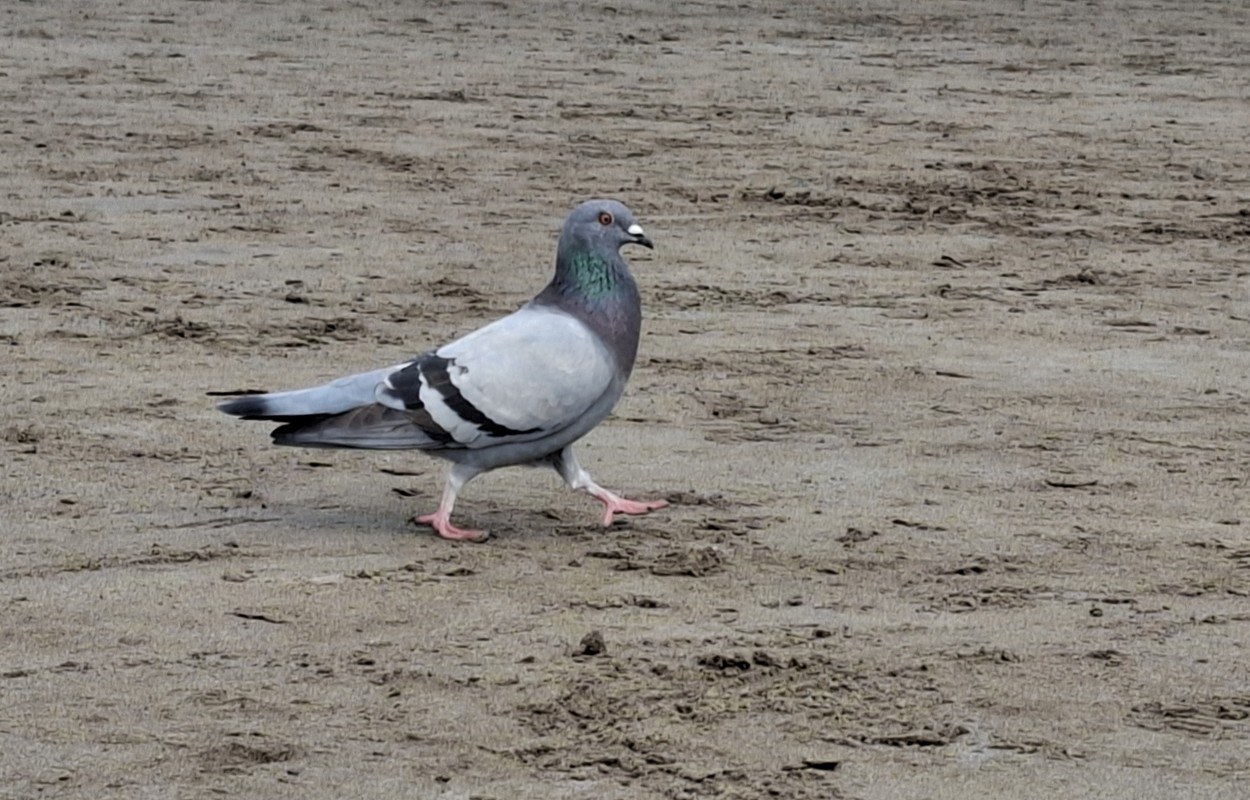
(590, 274)
(598, 290)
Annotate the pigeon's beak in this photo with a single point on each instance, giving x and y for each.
(635, 231)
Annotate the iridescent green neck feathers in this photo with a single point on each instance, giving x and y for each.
(594, 276)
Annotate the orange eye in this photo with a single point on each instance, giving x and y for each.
(605, 218)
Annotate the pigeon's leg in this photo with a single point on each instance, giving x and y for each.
(577, 478)
(440, 520)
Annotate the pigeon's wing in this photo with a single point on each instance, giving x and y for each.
(522, 378)
(519, 379)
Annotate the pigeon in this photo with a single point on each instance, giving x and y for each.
(519, 391)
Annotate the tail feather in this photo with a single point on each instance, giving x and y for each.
(328, 399)
(250, 407)
(342, 413)
(371, 427)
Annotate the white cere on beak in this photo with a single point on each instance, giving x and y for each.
(634, 230)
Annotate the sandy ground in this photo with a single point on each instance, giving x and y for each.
(944, 369)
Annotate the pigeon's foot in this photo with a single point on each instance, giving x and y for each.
(443, 527)
(614, 504)
(577, 478)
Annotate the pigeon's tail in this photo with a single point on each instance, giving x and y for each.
(344, 413)
(323, 401)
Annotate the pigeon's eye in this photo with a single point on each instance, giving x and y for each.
(605, 218)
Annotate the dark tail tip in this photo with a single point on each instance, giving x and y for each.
(250, 407)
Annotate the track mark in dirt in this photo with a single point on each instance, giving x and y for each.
(240, 757)
(1070, 483)
(613, 717)
(259, 616)
(47, 282)
(422, 166)
(694, 562)
(304, 332)
(745, 419)
(704, 296)
(740, 410)
(961, 601)
(803, 359)
(309, 331)
(988, 656)
(64, 666)
(157, 555)
(1213, 718)
(715, 500)
(21, 435)
(178, 328)
(991, 195)
(627, 601)
(1217, 227)
(218, 522)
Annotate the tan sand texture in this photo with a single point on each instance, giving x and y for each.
(944, 370)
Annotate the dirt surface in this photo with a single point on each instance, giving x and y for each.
(945, 372)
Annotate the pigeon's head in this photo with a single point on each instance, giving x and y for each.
(605, 224)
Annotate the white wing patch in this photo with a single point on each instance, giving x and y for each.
(383, 393)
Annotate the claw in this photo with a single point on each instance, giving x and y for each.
(615, 504)
(443, 527)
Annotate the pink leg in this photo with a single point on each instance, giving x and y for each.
(440, 520)
(442, 526)
(613, 504)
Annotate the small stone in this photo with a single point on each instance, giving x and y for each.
(592, 644)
